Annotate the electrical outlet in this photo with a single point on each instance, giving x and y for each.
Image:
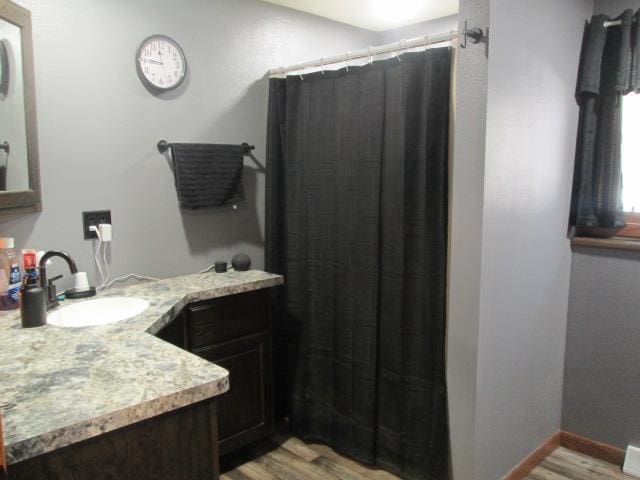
(94, 218)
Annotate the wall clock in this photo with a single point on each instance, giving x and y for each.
(161, 63)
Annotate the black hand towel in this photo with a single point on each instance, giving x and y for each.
(208, 175)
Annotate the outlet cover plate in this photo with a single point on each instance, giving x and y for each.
(94, 218)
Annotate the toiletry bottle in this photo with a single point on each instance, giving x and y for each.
(30, 266)
(10, 278)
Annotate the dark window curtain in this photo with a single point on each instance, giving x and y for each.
(609, 69)
(357, 224)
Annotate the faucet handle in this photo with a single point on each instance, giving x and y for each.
(51, 280)
(52, 292)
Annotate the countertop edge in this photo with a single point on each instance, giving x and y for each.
(94, 427)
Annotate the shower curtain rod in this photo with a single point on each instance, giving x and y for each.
(370, 52)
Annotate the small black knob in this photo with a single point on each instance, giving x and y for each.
(220, 267)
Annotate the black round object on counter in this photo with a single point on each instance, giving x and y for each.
(220, 267)
(241, 262)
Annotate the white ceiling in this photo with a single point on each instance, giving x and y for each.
(376, 15)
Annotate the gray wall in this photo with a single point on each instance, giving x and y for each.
(467, 189)
(613, 8)
(602, 374)
(510, 258)
(531, 128)
(431, 27)
(601, 394)
(99, 126)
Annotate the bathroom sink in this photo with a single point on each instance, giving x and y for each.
(101, 311)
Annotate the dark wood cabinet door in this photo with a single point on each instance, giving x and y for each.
(235, 333)
(245, 412)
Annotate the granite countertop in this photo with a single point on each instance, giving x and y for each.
(59, 386)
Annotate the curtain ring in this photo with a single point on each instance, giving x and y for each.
(301, 74)
(402, 42)
(370, 55)
(346, 62)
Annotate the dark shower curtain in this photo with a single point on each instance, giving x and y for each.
(357, 224)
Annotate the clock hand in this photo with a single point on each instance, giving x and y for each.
(152, 61)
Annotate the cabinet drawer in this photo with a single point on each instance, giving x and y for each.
(227, 318)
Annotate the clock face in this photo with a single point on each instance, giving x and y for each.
(161, 63)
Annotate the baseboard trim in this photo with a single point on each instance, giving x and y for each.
(570, 441)
(592, 448)
(534, 458)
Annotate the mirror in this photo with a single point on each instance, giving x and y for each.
(19, 164)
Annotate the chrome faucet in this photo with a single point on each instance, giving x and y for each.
(48, 284)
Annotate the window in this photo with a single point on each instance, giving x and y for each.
(631, 165)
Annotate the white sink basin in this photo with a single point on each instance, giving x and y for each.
(101, 311)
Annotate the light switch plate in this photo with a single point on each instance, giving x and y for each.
(632, 462)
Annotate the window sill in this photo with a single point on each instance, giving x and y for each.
(616, 243)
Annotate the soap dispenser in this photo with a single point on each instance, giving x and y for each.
(33, 304)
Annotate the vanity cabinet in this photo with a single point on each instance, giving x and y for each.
(177, 445)
(235, 333)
